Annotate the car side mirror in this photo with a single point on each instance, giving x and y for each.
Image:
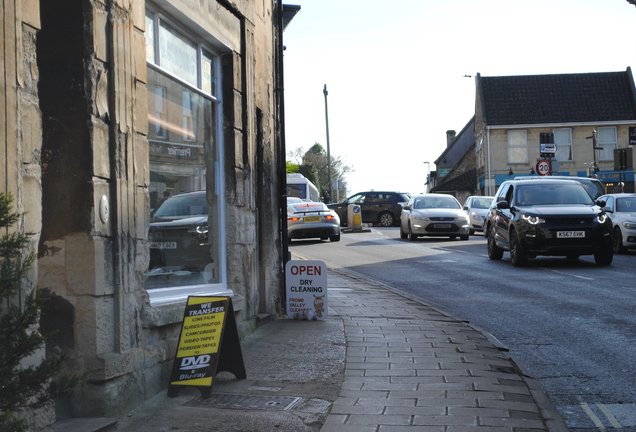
(465, 207)
(601, 203)
(503, 205)
(406, 207)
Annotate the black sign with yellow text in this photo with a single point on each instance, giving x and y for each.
(208, 344)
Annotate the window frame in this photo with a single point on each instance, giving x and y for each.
(570, 145)
(524, 146)
(179, 294)
(606, 145)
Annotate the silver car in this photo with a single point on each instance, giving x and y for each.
(312, 220)
(621, 208)
(433, 215)
(476, 208)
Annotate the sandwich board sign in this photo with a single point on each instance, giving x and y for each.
(208, 344)
(306, 289)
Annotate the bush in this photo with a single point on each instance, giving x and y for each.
(22, 386)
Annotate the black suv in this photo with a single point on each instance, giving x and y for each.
(547, 217)
(376, 207)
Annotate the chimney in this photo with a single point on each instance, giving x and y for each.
(450, 136)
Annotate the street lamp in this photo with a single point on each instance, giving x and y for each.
(325, 92)
(428, 174)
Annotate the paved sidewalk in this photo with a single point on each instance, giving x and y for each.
(410, 367)
(380, 362)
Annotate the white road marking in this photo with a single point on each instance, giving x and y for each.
(609, 416)
(597, 421)
(567, 274)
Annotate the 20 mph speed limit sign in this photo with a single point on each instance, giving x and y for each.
(543, 168)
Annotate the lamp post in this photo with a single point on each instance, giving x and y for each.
(428, 174)
(324, 90)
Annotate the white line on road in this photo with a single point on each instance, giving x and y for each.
(597, 421)
(568, 274)
(609, 416)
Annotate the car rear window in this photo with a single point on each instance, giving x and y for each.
(183, 206)
(308, 207)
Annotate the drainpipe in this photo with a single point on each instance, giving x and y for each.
(489, 186)
(282, 179)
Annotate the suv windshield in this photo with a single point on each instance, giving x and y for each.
(552, 194)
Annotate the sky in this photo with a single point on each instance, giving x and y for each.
(400, 74)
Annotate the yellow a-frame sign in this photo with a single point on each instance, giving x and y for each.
(208, 344)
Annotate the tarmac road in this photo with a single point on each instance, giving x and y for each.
(570, 323)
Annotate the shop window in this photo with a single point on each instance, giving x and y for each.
(186, 234)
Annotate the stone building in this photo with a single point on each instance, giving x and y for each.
(110, 106)
(456, 172)
(582, 110)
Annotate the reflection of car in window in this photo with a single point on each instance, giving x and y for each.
(179, 243)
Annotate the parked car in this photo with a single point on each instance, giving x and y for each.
(621, 208)
(312, 220)
(476, 208)
(547, 217)
(433, 215)
(592, 185)
(178, 237)
(376, 207)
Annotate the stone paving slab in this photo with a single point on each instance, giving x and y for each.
(410, 367)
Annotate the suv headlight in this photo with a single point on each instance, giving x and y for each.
(602, 218)
(532, 220)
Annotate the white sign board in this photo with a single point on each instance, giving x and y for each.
(306, 289)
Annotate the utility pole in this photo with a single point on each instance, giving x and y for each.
(324, 90)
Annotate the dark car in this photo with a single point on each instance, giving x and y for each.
(383, 208)
(547, 217)
(178, 240)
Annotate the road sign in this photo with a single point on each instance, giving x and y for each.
(632, 135)
(543, 167)
(548, 150)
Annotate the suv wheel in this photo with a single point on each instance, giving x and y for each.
(517, 256)
(604, 258)
(494, 251)
(386, 219)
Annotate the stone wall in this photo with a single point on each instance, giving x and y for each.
(78, 165)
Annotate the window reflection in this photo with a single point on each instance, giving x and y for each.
(184, 225)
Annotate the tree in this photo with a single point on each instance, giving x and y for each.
(22, 386)
(315, 160)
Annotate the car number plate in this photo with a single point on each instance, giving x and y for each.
(163, 245)
(442, 225)
(312, 219)
(570, 234)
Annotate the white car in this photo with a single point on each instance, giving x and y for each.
(476, 208)
(433, 215)
(621, 208)
(312, 220)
